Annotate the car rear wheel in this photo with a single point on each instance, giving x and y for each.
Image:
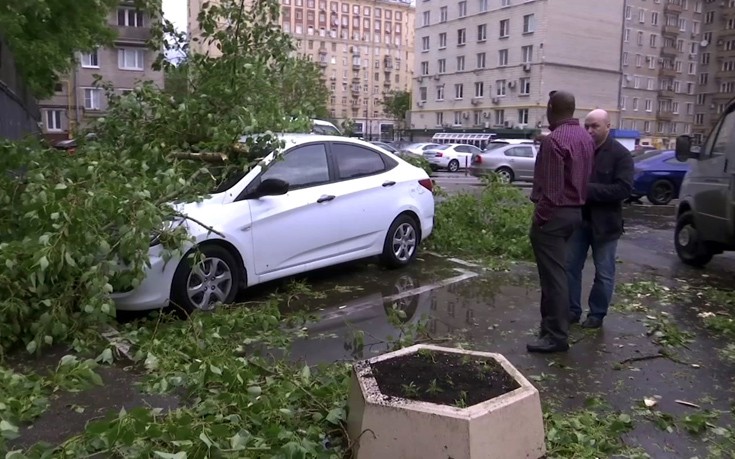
(205, 278)
(505, 175)
(661, 192)
(401, 242)
(453, 165)
(689, 246)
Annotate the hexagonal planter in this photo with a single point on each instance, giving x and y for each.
(428, 402)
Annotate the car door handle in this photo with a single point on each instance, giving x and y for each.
(325, 198)
(388, 183)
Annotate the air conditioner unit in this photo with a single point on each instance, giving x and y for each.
(420, 79)
(437, 76)
(419, 104)
(507, 123)
(496, 100)
(486, 115)
(475, 101)
(512, 84)
(465, 115)
(526, 67)
(486, 124)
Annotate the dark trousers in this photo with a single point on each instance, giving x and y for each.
(550, 243)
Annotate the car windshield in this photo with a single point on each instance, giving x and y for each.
(494, 145)
(440, 147)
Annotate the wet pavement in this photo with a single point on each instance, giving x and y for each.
(462, 304)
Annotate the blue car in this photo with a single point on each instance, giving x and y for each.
(658, 176)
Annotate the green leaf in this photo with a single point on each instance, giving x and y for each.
(179, 455)
(31, 346)
(336, 416)
(105, 356)
(43, 263)
(8, 430)
(215, 369)
(305, 374)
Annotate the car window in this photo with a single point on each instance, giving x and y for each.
(462, 149)
(524, 152)
(494, 145)
(301, 167)
(474, 149)
(355, 161)
(674, 161)
(433, 146)
(724, 137)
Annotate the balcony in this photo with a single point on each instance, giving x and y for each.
(671, 30)
(323, 64)
(669, 51)
(664, 116)
(667, 72)
(673, 8)
(132, 34)
(356, 66)
(667, 93)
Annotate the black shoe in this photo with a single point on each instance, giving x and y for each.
(592, 322)
(547, 345)
(574, 319)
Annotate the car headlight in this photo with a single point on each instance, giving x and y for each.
(167, 225)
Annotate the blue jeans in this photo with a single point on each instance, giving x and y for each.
(603, 255)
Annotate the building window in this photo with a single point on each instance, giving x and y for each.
(654, 18)
(442, 40)
(440, 93)
(424, 68)
(483, 6)
(500, 88)
(52, 120)
(130, 58)
(638, 60)
(459, 91)
(480, 60)
(479, 89)
(635, 104)
(424, 44)
(525, 84)
(92, 98)
(443, 14)
(649, 105)
(458, 118)
(623, 101)
(91, 60)
(499, 117)
(625, 58)
(129, 17)
(425, 18)
(653, 39)
(461, 37)
(529, 23)
(462, 9)
(505, 3)
(442, 63)
(460, 63)
(503, 57)
(523, 116)
(482, 32)
(440, 119)
(422, 94)
(646, 126)
(504, 28)
(527, 54)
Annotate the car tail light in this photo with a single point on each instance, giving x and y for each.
(438, 155)
(427, 183)
(477, 159)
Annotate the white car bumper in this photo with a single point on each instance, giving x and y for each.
(155, 288)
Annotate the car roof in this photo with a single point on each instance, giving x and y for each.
(293, 139)
(513, 141)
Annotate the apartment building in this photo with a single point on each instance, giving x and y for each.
(660, 51)
(716, 79)
(365, 49)
(488, 64)
(125, 64)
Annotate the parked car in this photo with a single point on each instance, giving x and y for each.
(324, 127)
(386, 146)
(417, 149)
(705, 221)
(328, 200)
(658, 176)
(70, 145)
(450, 156)
(512, 162)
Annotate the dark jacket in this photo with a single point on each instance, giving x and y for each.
(611, 183)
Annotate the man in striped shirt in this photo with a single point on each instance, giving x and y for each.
(562, 170)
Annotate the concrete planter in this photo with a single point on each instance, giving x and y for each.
(509, 426)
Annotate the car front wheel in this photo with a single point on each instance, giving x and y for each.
(205, 278)
(689, 246)
(401, 242)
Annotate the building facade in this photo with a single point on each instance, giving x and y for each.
(365, 49)
(490, 64)
(716, 78)
(126, 64)
(660, 51)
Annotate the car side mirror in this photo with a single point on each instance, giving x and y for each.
(684, 148)
(271, 187)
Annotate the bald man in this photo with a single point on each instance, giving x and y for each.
(561, 173)
(602, 222)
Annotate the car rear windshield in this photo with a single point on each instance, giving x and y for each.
(494, 145)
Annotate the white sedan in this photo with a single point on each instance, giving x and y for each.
(451, 156)
(328, 200)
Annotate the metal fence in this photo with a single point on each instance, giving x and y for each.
(19, 113)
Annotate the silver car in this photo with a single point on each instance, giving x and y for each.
(510, 162)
